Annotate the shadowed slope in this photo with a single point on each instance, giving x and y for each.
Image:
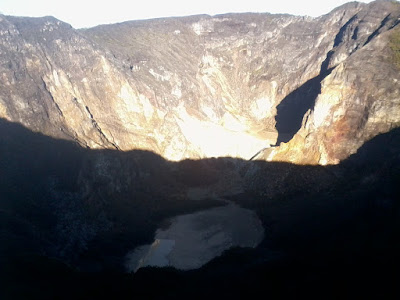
(88, 208)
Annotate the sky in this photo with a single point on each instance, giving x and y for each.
(89, 13)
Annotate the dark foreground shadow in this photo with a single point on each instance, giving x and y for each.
(68, 216)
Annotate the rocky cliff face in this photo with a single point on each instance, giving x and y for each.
(204, 86)
(359, 99)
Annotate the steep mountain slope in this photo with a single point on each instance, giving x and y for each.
(204, 86)
(80, 190)
(360, 98)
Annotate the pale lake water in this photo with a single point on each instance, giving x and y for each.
(194, 239)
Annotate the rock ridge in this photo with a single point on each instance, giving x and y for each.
(202, 86)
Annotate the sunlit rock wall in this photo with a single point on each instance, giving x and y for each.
(206, 86)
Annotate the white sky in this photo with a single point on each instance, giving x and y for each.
(88, 13)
